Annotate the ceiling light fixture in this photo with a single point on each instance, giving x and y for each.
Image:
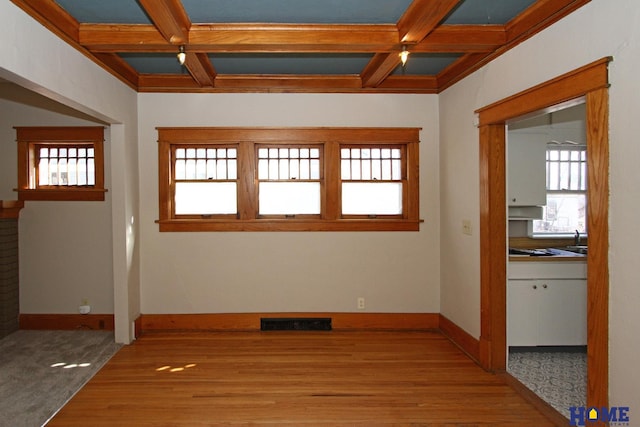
(181, 55)
(404, 55)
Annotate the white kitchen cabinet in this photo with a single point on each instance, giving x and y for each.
(547, 312)
(547, 303)
(526, 167)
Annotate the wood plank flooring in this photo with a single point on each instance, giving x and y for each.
(295, 379)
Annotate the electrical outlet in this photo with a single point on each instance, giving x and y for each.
(466, 227)
(361, 303)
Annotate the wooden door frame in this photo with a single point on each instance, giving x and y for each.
(588, 83)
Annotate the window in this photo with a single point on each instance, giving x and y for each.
(205, 180)
(289, 179)
(60, 163)
(565, 211)
(372, 180)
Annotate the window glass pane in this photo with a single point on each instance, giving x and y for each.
(284, 169)
(564, 213)
(315, 169)
(396, 169)
(43, 172)
(314, 153)
(211, 169)
(91, 173)
(376, 171)
(82, 171)
(232, 153)
(294, 168)
(355, 169)
(205, 198)
(289, 198)
(386, 170)
(232, 169)
(191, 169)
(366, 169)
(345, 166)
(201, 169)
(305, 169)
(201, 153)
(371, 198)
(263, 168)
(73, 170)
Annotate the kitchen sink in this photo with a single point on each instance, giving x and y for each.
(579, 249)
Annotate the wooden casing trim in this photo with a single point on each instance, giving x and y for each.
(68, 322)
(251, 321)
(590, 82)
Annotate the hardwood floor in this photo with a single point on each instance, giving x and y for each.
(295, 378)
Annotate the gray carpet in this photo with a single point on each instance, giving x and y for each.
(41, 370)
(557, 375)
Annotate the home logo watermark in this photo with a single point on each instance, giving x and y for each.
(614, 415)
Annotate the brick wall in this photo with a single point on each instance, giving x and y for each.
(9, 289)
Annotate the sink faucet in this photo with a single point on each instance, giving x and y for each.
(576, 239)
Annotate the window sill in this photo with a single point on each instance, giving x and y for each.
(66, 194)
(289, 225)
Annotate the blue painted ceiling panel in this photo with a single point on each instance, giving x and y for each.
(482, 12)
(426, 64)
(147, 63)
(296, 11)
(105, 12)
(335, 64)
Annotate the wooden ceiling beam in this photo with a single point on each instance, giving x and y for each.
(463, 38)
(123, 38)
(421, 18)
(379, 68)
(170, 18)
(293, 38)
(286, 82)
(200, 68)
(422, 84)
(306, 38)
(167, 83)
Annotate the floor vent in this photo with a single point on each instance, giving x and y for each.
(296, 324)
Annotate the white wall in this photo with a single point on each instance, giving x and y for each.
(283, 271)
(600, 28)
(34, 58)
(65, 247)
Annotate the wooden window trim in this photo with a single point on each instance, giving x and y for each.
(28, 138)
(247, 139)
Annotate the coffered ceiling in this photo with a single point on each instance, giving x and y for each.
(295, 45)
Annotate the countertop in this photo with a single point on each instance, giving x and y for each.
(557, 258)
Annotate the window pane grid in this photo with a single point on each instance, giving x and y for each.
(65, 165)
(372, 180)
(289, 163)
(566, 170)
(206, 164)
(371, 164)
(565, 210)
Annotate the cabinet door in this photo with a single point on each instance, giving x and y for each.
(522, 312)
(526, 167)
(563, 312)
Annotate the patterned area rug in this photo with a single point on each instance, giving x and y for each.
(556, 375)
(41, 370)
